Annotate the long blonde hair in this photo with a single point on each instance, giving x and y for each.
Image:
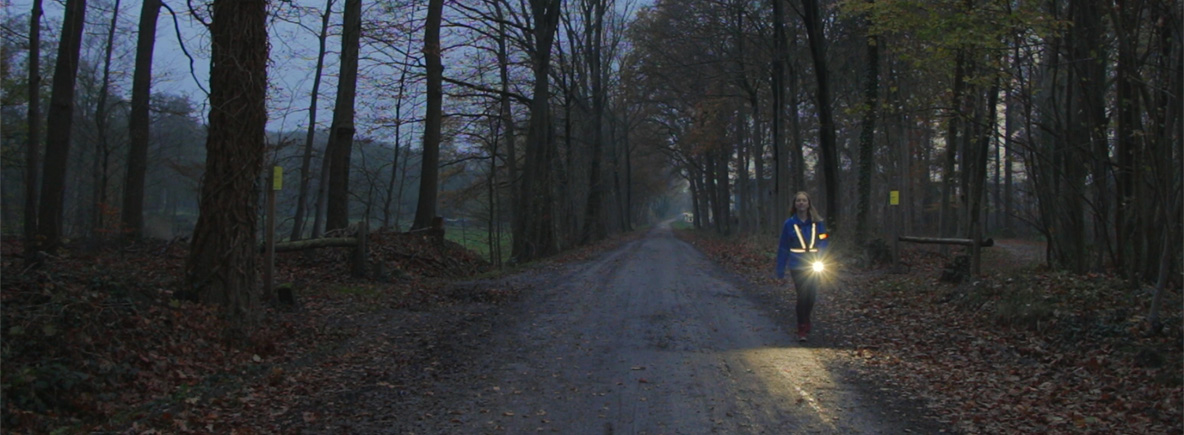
(812, 213)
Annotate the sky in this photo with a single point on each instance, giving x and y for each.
(293, 54)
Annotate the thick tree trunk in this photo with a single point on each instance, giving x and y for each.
(139, 123)
(781, 190)
(58, 127)
(430, 170)
(341, 134)
(310, 135)
(1072, 151)
(867, 164)
(826, 121)
(221, 268)
(1091, 88)
(594, 225)
(534, 229)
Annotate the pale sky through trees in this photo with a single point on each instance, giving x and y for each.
(293, 55)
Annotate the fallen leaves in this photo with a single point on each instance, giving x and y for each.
(1021, 350)
(96, 342)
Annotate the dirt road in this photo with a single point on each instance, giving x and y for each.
(650, 338)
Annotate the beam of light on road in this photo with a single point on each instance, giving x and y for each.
(793, 371)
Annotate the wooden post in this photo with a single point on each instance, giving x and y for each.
(277, 182)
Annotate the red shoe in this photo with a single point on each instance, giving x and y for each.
(802, 331)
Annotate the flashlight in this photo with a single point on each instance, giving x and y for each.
(818, 266)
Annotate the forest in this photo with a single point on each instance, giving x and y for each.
(546, 126)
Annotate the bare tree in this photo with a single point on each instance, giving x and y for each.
(826, 121)
(867, 164)
(59, 125)
(781, 192)
(594, 225)
(534, 230)
(138, 122)
(102, 120)
(32, 148)
(341, 134)
(306, 160)
(429, 183)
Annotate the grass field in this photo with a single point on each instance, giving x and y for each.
(476, 239)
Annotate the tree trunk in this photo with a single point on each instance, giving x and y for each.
(322, 190)
(1010, 129)
(628, 196)
(58, 127)
(1164, 154)
(1082, 89)
(306, 159)
(32, 147)
(139, 122)
(506, 126)
(507, 119)
(1091, 92)
(1125, 18)
(826, 122)
(867, 163)
(945, 219)
(221, 268)
(341, 135)
(429, 182)
(534, 229)
(594, 225)
(978, 173)
(724, 198)
(782, 196)
(1167, 256)
(797, 154)
(743, 182)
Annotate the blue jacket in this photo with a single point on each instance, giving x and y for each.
(812, 235)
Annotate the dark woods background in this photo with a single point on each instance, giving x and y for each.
(557, 123)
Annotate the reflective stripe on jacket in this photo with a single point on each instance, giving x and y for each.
(799, 239)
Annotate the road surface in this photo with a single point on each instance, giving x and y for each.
(651, 338)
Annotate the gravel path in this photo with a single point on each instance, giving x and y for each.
(650, 338)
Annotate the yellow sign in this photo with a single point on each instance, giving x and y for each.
(277, 178)
(894, 197)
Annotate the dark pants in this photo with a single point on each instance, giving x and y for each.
(805, 284)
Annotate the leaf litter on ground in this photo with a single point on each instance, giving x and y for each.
(95, 340)
(1019, 349)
